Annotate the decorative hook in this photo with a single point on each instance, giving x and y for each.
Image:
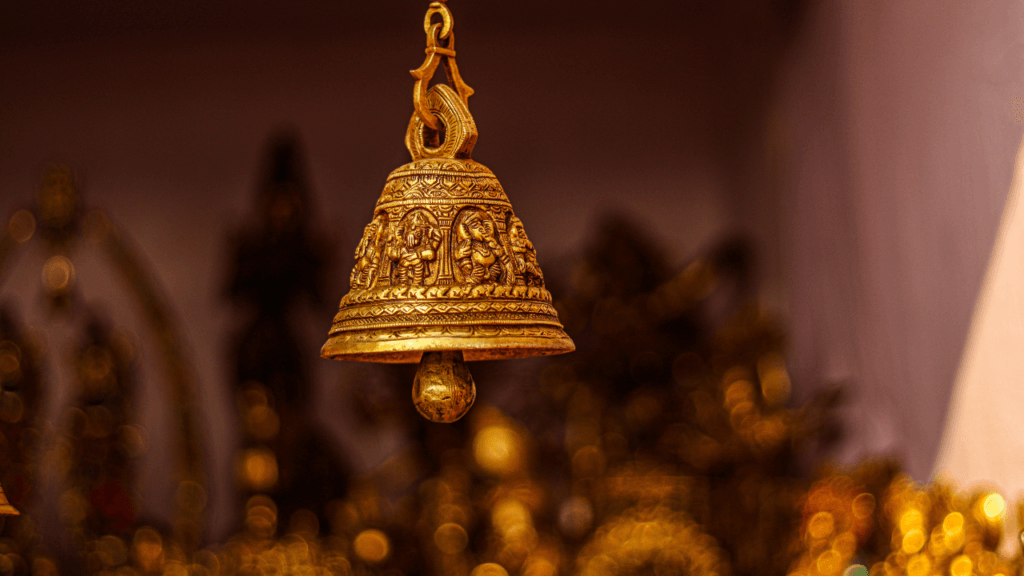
(436, 52)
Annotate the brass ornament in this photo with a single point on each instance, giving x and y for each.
(444, 265)
(5, 506)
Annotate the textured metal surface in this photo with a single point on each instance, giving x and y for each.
(444, 264)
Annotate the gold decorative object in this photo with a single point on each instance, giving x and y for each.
(5, 507)
(444, 272)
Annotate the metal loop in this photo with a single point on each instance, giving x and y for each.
(436, 32)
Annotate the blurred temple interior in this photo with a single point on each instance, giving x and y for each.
(782, 234)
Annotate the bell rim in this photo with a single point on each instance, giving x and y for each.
(474, 348)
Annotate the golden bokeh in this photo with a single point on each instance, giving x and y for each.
(961, 566)
(258, 469)
(451, 538)
(58, 274)
(864, 505)
(994, 506)
(148, 548)
(820, 525)
(371, 545)
(489, 569)
(918, 565)
(911, 520)
(509, 512)
(913, 541)
(498, 450)
(21, 226)
(953, 523)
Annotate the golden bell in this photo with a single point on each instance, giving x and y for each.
(444, 272)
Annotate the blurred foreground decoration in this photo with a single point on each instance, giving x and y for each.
(94, 447)
(278, 264)
(445, 273)
(664, 446)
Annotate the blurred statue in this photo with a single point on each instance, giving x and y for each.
(280, 263)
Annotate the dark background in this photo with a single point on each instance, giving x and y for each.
(864, 149)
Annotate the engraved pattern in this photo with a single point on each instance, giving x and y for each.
(445, 264)
(479, 257)
(454, 292)
(412, 247)
(524, 255)
(364, 274)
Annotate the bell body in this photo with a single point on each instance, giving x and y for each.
(445, 264)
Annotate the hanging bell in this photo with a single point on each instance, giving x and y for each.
(444, 273)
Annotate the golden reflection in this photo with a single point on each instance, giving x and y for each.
(953, 523)
(961, 566)
(913, 541)
(498, 450)
(489, 569)
(864, 505)
(821, 525)
(918, 565)
(58, 274)
(258, 469)
(509, 512)
(21, 226)
(148, 548)
(451, 538)
(371, 545)
(994, 506)
(910, 520)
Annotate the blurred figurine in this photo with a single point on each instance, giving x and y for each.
(278, 264)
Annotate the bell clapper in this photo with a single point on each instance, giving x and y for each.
(443, 389)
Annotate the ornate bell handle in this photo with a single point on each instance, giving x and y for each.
(436, 52)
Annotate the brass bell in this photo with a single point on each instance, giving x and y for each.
(444, 273)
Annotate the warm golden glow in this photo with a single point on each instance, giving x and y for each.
(498, 450)
(21, 226)
(451, 538)
(58, 274)
(148, 548)
(509, 512)
(820, 525)
(953, 523)
(994, 506)
(371, 545)
(961, 566)
(489, 569)
(918, 565)
(775, 385)
(863, 505)
(913, 541)
(911, 520)
(258, 469)
(829, 562)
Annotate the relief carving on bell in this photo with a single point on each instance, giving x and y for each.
(444, 271)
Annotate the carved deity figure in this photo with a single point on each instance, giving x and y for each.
(412, 246)
(478, 253)
(368, 253)
(523, 253)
